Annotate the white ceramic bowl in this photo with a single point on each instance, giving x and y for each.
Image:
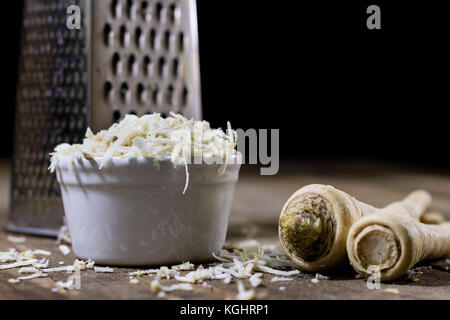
(131, 212)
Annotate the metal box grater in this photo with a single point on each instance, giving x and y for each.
(128, 57)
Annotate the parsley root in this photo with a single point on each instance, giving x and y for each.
(395, 243)
(315, 221)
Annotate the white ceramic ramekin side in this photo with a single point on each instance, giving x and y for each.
(133, 212)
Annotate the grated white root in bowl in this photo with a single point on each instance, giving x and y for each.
(152, 136)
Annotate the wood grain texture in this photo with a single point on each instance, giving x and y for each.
(257, 204)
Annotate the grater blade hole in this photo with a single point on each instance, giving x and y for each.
(164, 114)
(169, 95)
(107, 89)
(175, 67)
(145, 11)
(131, 9)
(124, 92)
(174, 14)
(124, 36)
(147, 66)
(153, 39)
(159, 12)
(107, 34)
(181, 41)
(116, 8)
(141, 93)
(184, 96)
(116, 63)
(116, 115)
(161, 66)
(138, 37)
(167, 40)
(155, 95)
(132, 64)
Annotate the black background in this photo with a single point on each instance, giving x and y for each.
(334, 88)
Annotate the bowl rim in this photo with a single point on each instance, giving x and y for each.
(234, 159)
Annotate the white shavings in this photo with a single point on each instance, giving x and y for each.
(43, 263)
(277, 272)
(314, 280)
(27, 270)
(142, 272)
(244, 294)
(60, 262)
(134, 281)
(60, 269)
(38, 274)
(104, 269)
(206, 285)
(269, 247)
(69, 284)
(392, 290)
(280, 279)
(90, 264)
(282, 288)
(18, 264)
(14, 239)
(321, 277)
(65, 250)
(166, 272)
(152, 136)
(255, 280)
(227, 279)
(54, 290)
(156, 287)
(13, 281)
(186, 266)
(41, 252)
(161, 294)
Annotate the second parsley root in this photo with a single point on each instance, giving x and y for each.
(395, 243)
(315, 221)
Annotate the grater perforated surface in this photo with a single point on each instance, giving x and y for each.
(128, 57)
(143, 59)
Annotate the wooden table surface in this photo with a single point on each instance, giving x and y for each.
(256, 207)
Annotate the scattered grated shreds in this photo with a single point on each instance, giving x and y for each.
(282, 288)
(186, 266)
(152, 136)
(41, 252)
(38, 274)
(65, 250)
(156, 287)
(27, 270)
(18, 264)
(15, 239)
(134, 281)
(244, 294)
(277, 272)
(280, 279)
(392, 290)
(104, 269)
(13, 281)
(142, 272)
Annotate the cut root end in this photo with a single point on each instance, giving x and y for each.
(376, 245)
